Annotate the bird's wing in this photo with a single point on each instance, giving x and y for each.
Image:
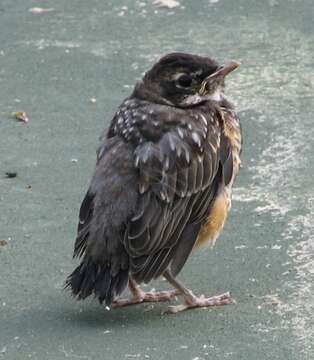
(178, 178)
(108, 203)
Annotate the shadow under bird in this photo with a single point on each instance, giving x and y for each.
(162, 184)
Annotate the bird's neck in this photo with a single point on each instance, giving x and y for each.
(144, 92)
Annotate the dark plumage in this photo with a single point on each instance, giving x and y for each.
(172, 149)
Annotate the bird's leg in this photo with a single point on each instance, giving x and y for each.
(140, 296)
(191, 301)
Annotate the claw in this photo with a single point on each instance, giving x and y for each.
(201, 302)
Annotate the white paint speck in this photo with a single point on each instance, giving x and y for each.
(170, 4)
(39, 10)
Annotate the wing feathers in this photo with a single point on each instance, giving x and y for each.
(175, 174)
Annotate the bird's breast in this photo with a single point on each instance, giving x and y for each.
(221, 205)
(216, 218)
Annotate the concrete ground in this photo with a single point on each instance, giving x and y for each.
(52, 64)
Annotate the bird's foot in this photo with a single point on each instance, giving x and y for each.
(142, 296)
(192, 302)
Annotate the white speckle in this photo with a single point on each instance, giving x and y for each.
(74, 160)
(196, 138)
(170, 4)
(39, 10)
(92, 100)
(144, 117)
(180, 132)
(107, 331)
(172, 144)
(204, 119)
(183, 347)
(107, 308)
(179, 151)
(162, 196)
(214, 150)
(187, 157)
(276, 247)
(166, 163)
(213, 1)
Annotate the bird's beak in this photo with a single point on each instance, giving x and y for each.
(224, 70)
(220, 74)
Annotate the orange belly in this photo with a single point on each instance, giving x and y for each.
(215, 221)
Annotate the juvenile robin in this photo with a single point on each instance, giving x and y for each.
(162, 184)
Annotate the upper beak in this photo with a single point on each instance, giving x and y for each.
(224, 70)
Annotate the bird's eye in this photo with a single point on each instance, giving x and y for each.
(185, 80)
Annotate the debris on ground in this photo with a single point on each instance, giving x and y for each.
(3, 243)
(20, 115)
(11, 174)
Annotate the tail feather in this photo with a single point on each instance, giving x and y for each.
(90, 278)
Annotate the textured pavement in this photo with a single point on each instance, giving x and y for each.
(68, 68)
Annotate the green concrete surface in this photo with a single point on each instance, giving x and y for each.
(51, 65)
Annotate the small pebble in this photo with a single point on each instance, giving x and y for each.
(3, 243)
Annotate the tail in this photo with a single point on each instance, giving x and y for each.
(91, 278)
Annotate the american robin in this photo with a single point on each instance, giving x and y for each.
(162, 184)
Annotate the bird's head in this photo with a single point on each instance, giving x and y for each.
(184, 80)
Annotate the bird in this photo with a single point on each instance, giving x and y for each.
(162, 185)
